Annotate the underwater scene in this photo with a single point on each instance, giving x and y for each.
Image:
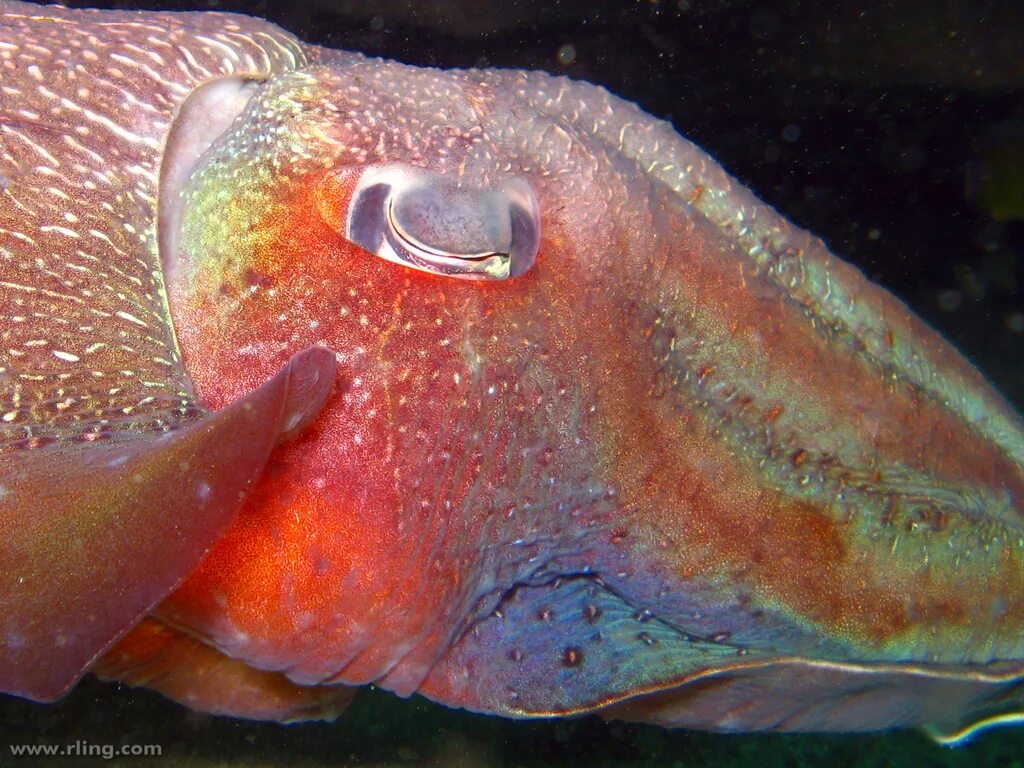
(893, 131)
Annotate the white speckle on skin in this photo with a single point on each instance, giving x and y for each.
(118, 461)
(131, 318)
(3, 491)
(204, 491)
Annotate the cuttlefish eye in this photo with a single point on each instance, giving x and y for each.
(438, 224)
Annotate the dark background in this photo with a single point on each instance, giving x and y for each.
(894, 130)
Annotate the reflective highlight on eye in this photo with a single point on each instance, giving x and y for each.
(436, 224)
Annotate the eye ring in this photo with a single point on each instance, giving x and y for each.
(433, 223)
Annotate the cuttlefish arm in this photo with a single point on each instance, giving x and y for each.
(100, 532)
(114, 481)
(193, 673)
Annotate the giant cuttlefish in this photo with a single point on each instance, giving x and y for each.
(319, 371)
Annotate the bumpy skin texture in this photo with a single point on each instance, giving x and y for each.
(689, 467)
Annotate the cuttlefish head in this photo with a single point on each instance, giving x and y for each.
(584, 382)
(474, 259)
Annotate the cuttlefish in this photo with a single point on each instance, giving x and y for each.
(319, 371)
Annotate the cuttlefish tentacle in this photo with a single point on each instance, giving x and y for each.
(114, 481)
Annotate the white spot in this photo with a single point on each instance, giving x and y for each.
(3, 491)
(204, 491)
(118, 461)
(130, 318)
(66, 356)
(60, 230)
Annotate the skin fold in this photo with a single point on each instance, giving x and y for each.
(674, 462)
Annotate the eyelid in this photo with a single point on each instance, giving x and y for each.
(438, 224)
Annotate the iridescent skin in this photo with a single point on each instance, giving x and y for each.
(687, 468)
